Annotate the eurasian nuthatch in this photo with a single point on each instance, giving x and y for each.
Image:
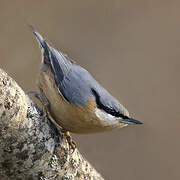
(78, 103)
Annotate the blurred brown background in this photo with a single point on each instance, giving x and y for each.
(133, 49)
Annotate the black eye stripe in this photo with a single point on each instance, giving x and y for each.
(107, 109)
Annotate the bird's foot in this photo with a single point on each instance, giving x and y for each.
(65, 132)
(45, 106)
(70, 141)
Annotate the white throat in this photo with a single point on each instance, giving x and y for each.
(108, 119)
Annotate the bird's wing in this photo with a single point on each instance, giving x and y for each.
(74, 82)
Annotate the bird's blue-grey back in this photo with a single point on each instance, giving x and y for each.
(75, 83)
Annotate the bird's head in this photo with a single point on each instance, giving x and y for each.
(111, 112)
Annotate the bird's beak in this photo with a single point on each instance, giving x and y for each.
(131, 121)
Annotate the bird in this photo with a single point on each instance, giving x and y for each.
(76, 101)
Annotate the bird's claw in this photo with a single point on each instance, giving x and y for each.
(70, 141)
(46, 114)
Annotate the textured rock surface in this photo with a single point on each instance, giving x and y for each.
(31, 147)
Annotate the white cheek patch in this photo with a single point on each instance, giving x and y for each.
(108, 119)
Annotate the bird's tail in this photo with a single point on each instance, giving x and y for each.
(59, 62)
(43, 44)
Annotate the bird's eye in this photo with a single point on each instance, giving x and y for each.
(109, 110)
(114, 112)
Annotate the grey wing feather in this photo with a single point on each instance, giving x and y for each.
(60, 63)
(76, 86)
(79, 86)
